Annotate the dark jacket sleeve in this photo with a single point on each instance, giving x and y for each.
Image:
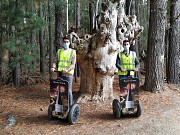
(137, 64)
(118, 63)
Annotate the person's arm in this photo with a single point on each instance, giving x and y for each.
(73, 62)
(118, 62)
(137, 64)
(55, 62)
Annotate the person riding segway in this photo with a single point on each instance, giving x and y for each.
(127, 64)
(61, 103)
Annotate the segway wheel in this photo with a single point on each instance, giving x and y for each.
(139, 110)
(50, 110)
(117, 109)
(74, 114)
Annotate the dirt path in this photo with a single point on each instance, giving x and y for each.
(28, 106)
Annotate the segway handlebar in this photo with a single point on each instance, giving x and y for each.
(130, 70)
(56, 70)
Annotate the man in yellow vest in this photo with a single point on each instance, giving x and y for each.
(126, 60)
(66, 60)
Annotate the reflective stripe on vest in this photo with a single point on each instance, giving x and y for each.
(64, 61)
(127, 63)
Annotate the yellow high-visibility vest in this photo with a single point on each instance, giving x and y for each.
(64, 61)
(127, 62)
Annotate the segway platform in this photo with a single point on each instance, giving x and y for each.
(59, 102)
(129, 98)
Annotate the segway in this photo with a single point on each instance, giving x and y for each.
(60, 103)
(129, 103)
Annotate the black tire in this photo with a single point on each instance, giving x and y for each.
(74, 114)
(51, 108)
(139, 110)
(117, 109)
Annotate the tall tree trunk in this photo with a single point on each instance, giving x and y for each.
(78, 23)
(2, 50)
(16, 70)
(16, 74)
(58, 26)
(128, 7)
(154, 80)
(137, 46)
(41, 43)
(51, 48)
(132, 8)
(174, 54)
(166, 52)
(91, 18)
(135, 7)
(78, 15)
(33, 37)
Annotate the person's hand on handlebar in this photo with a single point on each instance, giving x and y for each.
(52, 69)
(123, 70)
(64, 71)
(136, 69)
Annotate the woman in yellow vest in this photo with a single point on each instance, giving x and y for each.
(126, 60)
(66, 60)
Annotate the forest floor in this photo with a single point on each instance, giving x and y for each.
(27, 107)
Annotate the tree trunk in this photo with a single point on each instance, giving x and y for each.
(166, 52)
(16, 75)
(154, 80)
(58, 27)
(51, 48)
(16, 69)
(96, 54)
(2, 51)
(78, 15)
(78, 25)
(135, 5)
(174, 54)
(91, 18)
(133, 9)
(128, 6)
(33, 38)
(41, 43)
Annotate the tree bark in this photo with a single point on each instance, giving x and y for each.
(58, 27)
(2, 51)
(16, 74)
(154, 80)
(174, 54)
(33, 38)
(128, 7)
(78, 25)
(51, 47)
(16, 69)
(91, 18)
(132, 8)
(78, 15)
(41, 43)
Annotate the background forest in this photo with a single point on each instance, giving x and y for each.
(32, 31)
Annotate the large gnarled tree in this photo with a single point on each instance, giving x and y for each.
(96, 53)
